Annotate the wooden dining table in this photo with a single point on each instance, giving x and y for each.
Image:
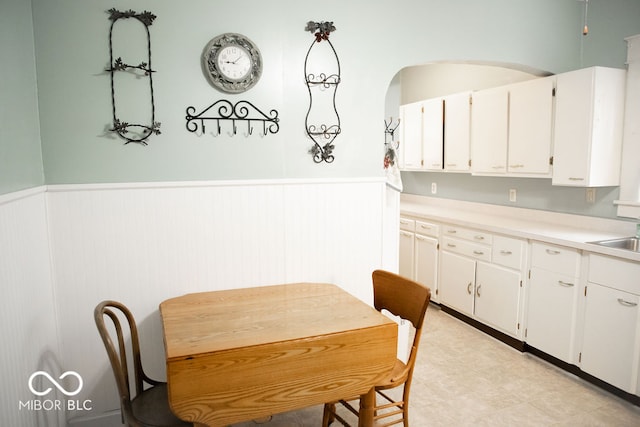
(245, 354)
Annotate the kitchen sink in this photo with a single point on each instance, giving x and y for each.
(626, 243)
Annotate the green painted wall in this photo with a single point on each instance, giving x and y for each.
(20, 151)
(374, 41)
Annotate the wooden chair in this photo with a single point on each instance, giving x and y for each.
(408, 300)
(147, 407)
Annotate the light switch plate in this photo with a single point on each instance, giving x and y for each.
(512, 195)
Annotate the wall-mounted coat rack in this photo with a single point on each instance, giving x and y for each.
(132, 132)
(390, 130)
(225, 111)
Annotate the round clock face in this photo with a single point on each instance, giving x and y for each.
(232, 63)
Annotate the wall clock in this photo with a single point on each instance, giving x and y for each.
(232, 63)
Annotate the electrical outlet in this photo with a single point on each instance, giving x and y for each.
(591, 195)
(512, 195)
(434, 188)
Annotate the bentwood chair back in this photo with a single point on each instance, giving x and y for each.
(141, 406)
(408, 300)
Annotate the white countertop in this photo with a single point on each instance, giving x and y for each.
(544, 226)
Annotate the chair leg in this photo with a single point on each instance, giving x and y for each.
(327, 416)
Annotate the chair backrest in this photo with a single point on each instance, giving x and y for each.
(406, 299)
(121, 319)
(400, 296)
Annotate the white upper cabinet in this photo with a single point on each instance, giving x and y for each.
(489, 131)
(530, 126)
(511, 129)
(432, 134)
(435, 134)
(588, 127)
(457, 123)
(410, 146)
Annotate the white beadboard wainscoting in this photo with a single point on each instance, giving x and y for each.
(143, 243)
(27, 309)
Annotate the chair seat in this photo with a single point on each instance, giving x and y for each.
(151, 407)
(398, 375)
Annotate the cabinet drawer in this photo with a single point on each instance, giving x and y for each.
(558, 259)
(427, 228)
(467, 234)
(465, 248)
(508, 252)
(615, 273)
(407, 224)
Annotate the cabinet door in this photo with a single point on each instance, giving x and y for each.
(497, 297)
(457, 279)
(406, 250)
(588, 127)
(489, 131)
(411, 139)
(610, 334)
(530, 119)
(551, 313)
(457, 116)
(432, 134)
(426, 260)
(572, 134)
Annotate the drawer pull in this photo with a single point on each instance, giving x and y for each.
(516, 166)
(497, 167)
(469, 288)
(627, 303)
(478, 290)
(567, 284)
(478, 253)
(478, 237)
(572, 178)
(503, 252)
(451, 231)
(425, 227)
(552, 252)
(451, 245)
(419, 237)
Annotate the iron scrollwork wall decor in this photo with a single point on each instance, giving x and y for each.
(227, 111)
(323, 135)
(132, 132)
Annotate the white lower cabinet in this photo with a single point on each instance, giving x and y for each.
(497, 297)
(552, 300)
(426, 263)
(457, 282)
(418, 257)
(611, 331)
(406, 247)
(473, 283)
